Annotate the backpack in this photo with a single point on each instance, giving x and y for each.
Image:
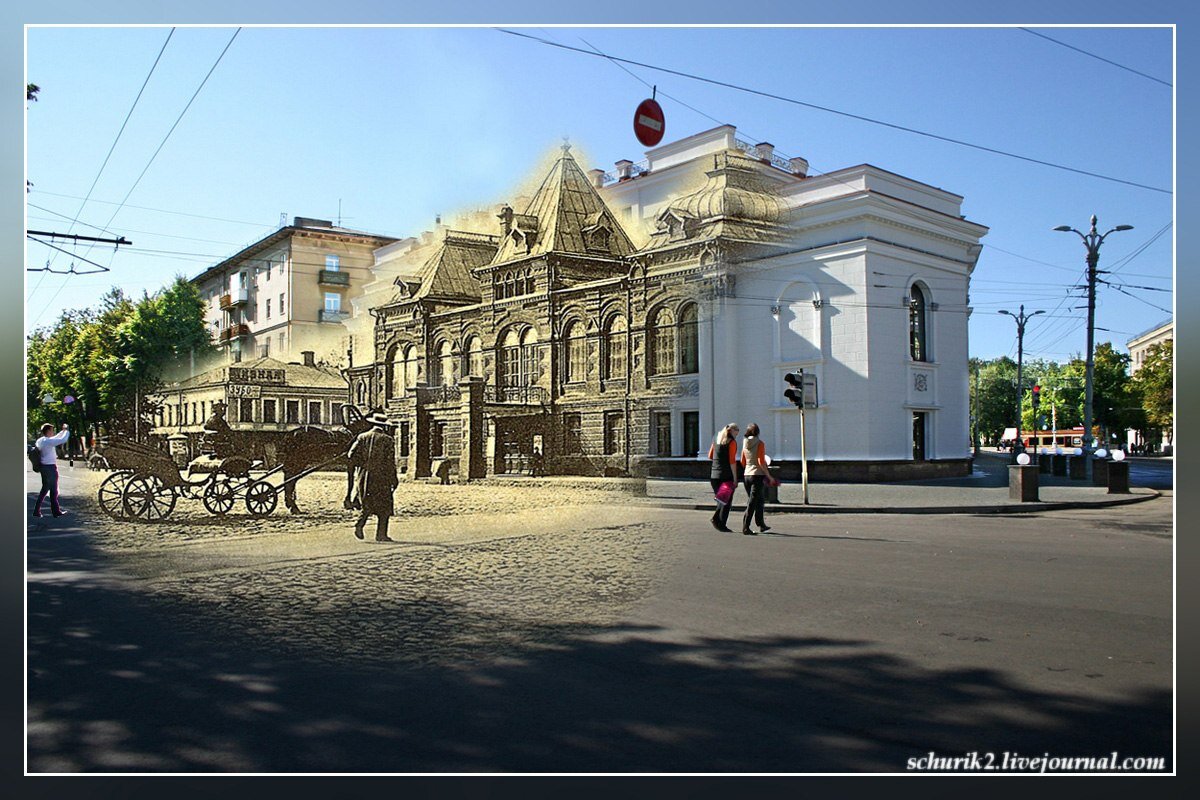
(35, 457)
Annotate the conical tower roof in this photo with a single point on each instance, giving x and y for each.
(565, 215)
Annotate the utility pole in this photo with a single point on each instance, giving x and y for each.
(1021, 319)
(1091, 241)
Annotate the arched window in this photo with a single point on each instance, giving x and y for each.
(575, 362)
(529, 357)
(614, 348)
(410, 366)
(360, 396)
(394, 380)
(510, 359)
(446, 374)
(530, 285)
(474, 357)
(662, 343)
(689, 340)
(918, 325)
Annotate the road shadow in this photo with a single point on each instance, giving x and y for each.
(125, 681)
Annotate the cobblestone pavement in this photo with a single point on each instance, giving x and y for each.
(556, 561)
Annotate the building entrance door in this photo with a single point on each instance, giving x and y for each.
(515, 452)
(918, 435)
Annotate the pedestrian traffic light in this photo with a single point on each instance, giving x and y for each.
(795, 390)
(1037, 391)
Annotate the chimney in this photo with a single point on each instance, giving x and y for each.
(624, 169)
(765, 151)
(308, 356)
(799, 166)
(506, 217)
(597, 176)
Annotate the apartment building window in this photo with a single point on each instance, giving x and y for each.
(314, 413)
(282, 307)
(243, 280)
(332, 263)
(282, 342)
(572, 433)
(333, 302)
(264, 349)
(660, 431)
(691, 433)
(614, 433)
(292, 411)
(246, 410)
(268, 308)
(268, 411)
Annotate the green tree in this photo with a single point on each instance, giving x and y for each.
(1155, 385)
(993, 396)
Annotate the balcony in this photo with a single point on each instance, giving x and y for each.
(328, 277)
(234, 332)
(235, 298)
(516, 395)
(438, 395)
(325, 315)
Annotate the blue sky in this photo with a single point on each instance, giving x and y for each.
(401, 124)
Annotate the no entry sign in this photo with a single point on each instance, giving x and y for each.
(648, 123)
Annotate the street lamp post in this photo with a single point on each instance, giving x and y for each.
(1091, 241)
(1021, 319)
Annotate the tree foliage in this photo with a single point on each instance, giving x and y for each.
(1155, 384)
(106, 358)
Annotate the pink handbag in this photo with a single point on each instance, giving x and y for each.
(725, 493)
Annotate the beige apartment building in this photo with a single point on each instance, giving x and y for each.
(1139, 346)
(289, 292)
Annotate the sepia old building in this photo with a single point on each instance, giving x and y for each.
(610, 324)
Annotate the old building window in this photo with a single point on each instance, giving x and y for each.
(662, 343)
(314, 412)
(437, 440)
(442, 368)
(411, 368)
(333, 303)
(510, 359)
(268, 410)
(360, 394)
(615, 336)
(572, 433)
(474, 357)
(660, 432)
(691, 433)
(529, 357)
(282, 308)
(575, 362)
(689, 340)
(292, 410)
(614, 433)
(917, 325)
(333, 263)
(394, 379)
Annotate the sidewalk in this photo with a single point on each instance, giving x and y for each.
(983, 492)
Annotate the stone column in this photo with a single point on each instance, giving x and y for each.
(421, 463)
(471, 463)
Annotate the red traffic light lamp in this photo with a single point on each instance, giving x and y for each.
(1037, 391)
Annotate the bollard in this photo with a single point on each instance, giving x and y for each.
(1060, 465)
(1023, 483)
(1044, 462)
(1118, 477)
(1077, 467)
(1100, 471)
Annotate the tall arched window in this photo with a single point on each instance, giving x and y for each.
(529, 357)
(360, 395)
(394, 380)
(918, 325)
(575, 363)
(689, 340)
(446, 375)
(510, 359)
(410, 366)
(474, 357)
(614, 348)
(662, 343)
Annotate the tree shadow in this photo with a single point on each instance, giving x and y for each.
(121, 680)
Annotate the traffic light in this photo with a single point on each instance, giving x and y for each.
(795, 390)
(1037, 391)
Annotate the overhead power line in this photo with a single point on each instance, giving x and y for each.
(838, 112)
(1098, 58)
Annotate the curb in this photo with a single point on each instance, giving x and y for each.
(1019, 508)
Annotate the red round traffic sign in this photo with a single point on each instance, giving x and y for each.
(648, 123)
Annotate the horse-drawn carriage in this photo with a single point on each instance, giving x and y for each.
(147, 483)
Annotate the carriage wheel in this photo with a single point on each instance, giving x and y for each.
(218, 497)
(110, 493)
(146, 497)
(261, 498)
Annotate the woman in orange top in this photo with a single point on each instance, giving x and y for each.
(754, 459)
(723, 452)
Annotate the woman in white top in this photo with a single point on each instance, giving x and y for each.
(49, 460)
(754, 459)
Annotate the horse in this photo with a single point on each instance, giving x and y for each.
(307, 446)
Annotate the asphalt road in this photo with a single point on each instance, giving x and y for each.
(604, 638)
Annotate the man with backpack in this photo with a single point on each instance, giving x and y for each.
(48, 462)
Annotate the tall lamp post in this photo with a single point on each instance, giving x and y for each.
(1021, 319)
(1091, 241)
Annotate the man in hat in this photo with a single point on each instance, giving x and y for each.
(218, 436)
(373, 454)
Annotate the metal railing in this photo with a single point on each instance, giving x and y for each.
(325, 315)
(331, 277)
(438, 395)
(516, 395)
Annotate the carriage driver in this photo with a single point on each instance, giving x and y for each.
(218, 436)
